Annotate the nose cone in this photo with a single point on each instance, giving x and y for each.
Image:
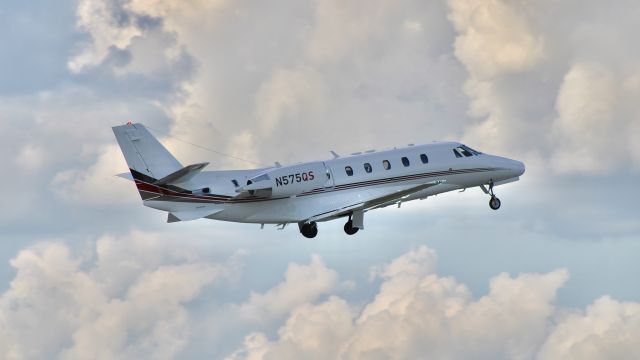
(517, 167)
(513, 168)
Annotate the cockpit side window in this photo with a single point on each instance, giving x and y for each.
(348, 170)
(457, 153)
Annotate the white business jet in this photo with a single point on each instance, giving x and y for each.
(311, 192)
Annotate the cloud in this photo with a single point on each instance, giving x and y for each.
(289, 94)
(312, 332)
(302, 284)
(591, 120)
(418, 314)
(554, 84)
(313, 84)
(109, 303)
(97, 184)
(608, 329)
(547, 89)
(140, 295)
(494, 38)
(31, 157)
(108, 26)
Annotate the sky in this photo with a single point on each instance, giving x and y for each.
(87, 272)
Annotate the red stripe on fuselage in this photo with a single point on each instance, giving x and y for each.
(170, 195)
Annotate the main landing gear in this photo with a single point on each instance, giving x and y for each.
(349, 229)
(309, 230)
(494, 202)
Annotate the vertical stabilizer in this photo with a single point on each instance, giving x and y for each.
(144, 153)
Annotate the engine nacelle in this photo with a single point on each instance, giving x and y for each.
(288, 180)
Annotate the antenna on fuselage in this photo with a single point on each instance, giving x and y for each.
(335, 155)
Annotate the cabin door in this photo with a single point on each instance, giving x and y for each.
(330, 181)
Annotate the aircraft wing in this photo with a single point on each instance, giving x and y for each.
(374, 202)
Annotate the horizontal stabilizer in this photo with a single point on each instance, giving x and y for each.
(182, 176)
(190, 215)
(126, 175)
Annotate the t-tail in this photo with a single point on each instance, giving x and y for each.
(152, 166)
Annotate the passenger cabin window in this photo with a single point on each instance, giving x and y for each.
(386, 164)
(348, 170)
(405, 161)
(367, 167)
(424, 158)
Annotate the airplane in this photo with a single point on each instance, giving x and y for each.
(311, 192)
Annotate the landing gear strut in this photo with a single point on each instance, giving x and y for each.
(349, 229)
(309, 230)
(494, 202)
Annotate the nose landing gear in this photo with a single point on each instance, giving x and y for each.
(494, 202)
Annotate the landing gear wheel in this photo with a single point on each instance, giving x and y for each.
(494, 203)
(349, 229)
(309, 230)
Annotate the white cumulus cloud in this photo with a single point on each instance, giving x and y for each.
(419, 314)
(76, 306)
(302, 284)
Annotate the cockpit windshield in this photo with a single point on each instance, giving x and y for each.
(474, 152)
(464, 150)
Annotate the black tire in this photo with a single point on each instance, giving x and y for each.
(349, 229)
(309, 230)
(494, 203)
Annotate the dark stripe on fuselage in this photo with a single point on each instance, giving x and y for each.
(153, 192)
